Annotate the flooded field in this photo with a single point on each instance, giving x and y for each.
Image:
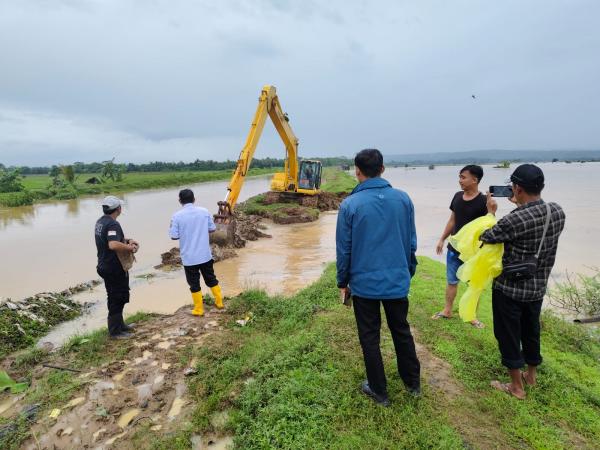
(50, 246)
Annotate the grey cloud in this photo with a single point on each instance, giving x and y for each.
(399, 75)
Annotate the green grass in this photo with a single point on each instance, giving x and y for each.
(290, 380)
(275, 211)
(18, 331)
(563, 411)
(337, 181)
(36, 186)
(334, 181)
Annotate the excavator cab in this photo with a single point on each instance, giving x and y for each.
(309, 177)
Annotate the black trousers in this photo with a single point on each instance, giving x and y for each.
(192, 275)
(116, 281)
(368, 321)
(517, 330)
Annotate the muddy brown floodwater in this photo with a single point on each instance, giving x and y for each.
(50, 246)
(292, 259)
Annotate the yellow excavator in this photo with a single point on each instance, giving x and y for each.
(298, 177)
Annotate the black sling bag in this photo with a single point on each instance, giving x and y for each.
(525, 270)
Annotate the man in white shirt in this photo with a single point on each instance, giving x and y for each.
(191, 225)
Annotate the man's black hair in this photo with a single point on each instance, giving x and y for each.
(107, 210)
(475, 170)
(370, 162)
(186, 196)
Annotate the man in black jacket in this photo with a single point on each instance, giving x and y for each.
(110, 240)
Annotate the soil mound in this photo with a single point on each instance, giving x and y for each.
(247, 228)
(289, 209)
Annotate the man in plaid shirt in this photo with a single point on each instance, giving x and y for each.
(517, 304)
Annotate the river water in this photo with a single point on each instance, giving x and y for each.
(49, 247)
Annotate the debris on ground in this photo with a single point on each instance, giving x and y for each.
(143, 391)
(248, 221)
(28, 319)
(247, 228)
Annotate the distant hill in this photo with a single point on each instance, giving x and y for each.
(494, 156)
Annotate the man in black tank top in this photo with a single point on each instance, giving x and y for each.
(466, 205)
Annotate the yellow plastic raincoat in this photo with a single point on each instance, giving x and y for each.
(481, 263)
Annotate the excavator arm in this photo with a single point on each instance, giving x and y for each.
(268, 105)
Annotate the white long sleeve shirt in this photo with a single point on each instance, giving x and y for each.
(191, 225)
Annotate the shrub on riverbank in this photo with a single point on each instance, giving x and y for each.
(12, 199)
(579, 294)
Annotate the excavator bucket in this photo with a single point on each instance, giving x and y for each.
(225, 222)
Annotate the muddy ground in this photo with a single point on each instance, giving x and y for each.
(145, 390)
(247, 228)
(22, 322)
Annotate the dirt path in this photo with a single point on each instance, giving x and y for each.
(145, 389)
(478, 429)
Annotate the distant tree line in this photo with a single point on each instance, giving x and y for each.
(160, 166)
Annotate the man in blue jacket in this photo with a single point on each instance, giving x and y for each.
(376, 241)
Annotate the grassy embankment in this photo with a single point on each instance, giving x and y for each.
(290, 379)
(37, 186)
(334, 181)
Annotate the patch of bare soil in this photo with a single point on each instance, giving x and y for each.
(297, 214)
(478, 429)
(324, 201)
(145, 388)
(247, 228)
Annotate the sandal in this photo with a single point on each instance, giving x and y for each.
(505, 387)
(439, 315)
(477, 324)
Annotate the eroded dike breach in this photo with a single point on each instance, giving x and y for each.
(249, 217)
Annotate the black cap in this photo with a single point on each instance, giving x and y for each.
(528, 175)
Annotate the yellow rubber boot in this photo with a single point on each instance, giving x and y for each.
(216, 290)
(198, 306)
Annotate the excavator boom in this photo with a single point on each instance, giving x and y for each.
(286, 181)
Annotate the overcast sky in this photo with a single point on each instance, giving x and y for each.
(86, 80)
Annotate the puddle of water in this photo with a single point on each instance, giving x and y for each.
(112, 440)
(75, 402)
(7, 404)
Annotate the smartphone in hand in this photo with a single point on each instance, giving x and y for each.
(501, 191)
(346, 298)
